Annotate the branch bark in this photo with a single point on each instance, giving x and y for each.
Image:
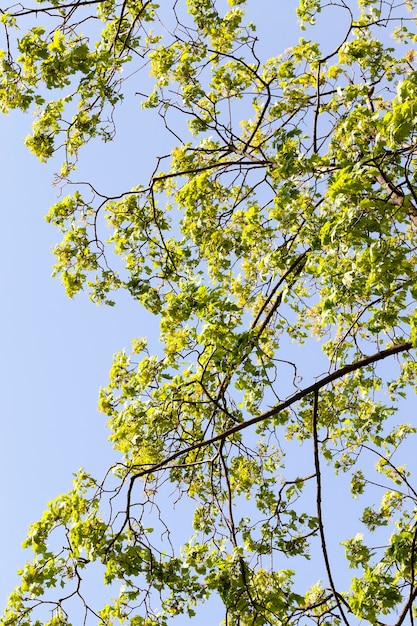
(347, 369)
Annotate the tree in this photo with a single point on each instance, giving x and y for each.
(284, 213)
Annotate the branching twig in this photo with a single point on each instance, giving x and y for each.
(347, 369)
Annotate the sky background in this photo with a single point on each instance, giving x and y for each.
(56, 352)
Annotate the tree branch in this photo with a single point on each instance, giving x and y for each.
(318, 503)
(407, 606)
(347, 369)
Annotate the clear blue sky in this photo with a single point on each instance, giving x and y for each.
(56, 352)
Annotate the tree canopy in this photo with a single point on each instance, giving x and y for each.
(276, 241)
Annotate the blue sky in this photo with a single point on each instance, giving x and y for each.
(57, 352)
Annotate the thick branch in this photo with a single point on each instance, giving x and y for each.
(347, 369)
(407, 606)
(396, 196)
(47, 9)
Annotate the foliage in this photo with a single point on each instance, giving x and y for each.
(277, 245)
